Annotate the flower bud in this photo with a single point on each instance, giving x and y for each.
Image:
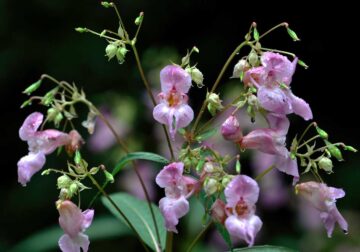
(253, 100)
(209, 167)
(210, 186)
(225, 181)
(109, 177)
(76, 141)
(33, 87)
(64, 194)
(196, 76)
(326, 164)
(214, 103)
(120, 54)
(73, 188)
(240, 67)
(58, 118)
(51, 114)
(231, 130)
(334, 151)
(63, 182)
(217, 211)
(111, 50)
(253, 58)
(81, 29)
(322, 133)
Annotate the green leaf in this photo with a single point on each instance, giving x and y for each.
(103, 227)
(139, 215)
(206, 135)
(265, 248)
(224, 234)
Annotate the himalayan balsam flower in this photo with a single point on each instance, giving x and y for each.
(231, 130)
(173, 109)
(241, 195)
(177, 189)
(272, 80)
(74, 222)
(40, 144)
(323, 198)
(272, 141)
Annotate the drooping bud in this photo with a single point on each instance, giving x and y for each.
(80, 29)
(111, 50)
(120, 54)
(51, 114)
(253, 58)
(334, 151)
(90, 122)
(322, 133)
(73, 188)
(33, 87)
(214, 103)
(326, 164)
(63, 182)
(292, 34)
(109, 177)
(76, 141)
(231, 130)
(226, 180)
(58, 118)
(240, 68)
(211, 186)
(196, 76)
(139, 19)
(209, 167)
(218, 212)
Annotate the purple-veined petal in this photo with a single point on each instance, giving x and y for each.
(170, 175)
(29, 165)
(163, 113)
(173, 209)
(30, 125)
(300, 107)
(242, 187)
(173, 77)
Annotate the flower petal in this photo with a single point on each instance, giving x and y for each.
(288, 165)
(274, 100)
(29, 165)
(48, 140)
(71, 218)
(68, 244)
(170, 175)
(242, 187)
(330, 218)
(88, 216)
(300, 107)
(245, 229)
(30, 125)
(173, 77)
(173, 209)
(278, 122)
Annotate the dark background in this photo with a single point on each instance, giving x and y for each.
(38, 37)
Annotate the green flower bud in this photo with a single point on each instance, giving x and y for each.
(335, 152)
(209, 167)
(120, 54)
(139, 19)
(106, 4)
(350, 148)
(58, 118)
(80, 29)
(109, 177)
(111, 50)
(303, 64)
(73, 188)
(196, 76)
(326, 164)
(63, 182)
(292, 34)
(210, 186)
(51, 114)
(252, 100)
(77, 157)
(33, 87)
(240, 68)
(26, 103)
(214, 103)
(225, 181)
(253, 58)
(64, 194)
(322, 133)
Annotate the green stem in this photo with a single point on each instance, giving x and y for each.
(100, 35)
(263, 173)
(306, 130)
(118, 210)
(308, 141)
(227, 63)
(169, 241)
(279, 51)
(148, 89)
(197, 238)
(272, 29)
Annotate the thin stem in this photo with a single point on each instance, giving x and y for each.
(306, 130)
(139, 27)
(100, 35)
(308, 141)
(197, 238)
(120, 20)
(272, 29)
(227, 63)
(279, 51)
(148, 89)
(118, 210)
(263, 173)
(59, 83)
(169, 241)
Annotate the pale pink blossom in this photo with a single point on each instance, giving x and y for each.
(272, 80)
(40, 144)
(323, 198)
(177, 189)
(173, 109)
(241, 195)
(74, 223)
(231, 130)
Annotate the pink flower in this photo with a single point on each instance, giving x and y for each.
(74, 222)
(241, 195)
(40, 144)
(177, 189)
(273, 80)
(323, 198)
(218, 211)
(231, 130)
(173, 109)
(272, 141)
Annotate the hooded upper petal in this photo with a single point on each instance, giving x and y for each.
(244, 228)
(30, 125)
(170, 175)
(48, 140)
(172, 209)
(87, 219)
(173, 77)
(71, 218)
(29, 165)
(242, 187)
